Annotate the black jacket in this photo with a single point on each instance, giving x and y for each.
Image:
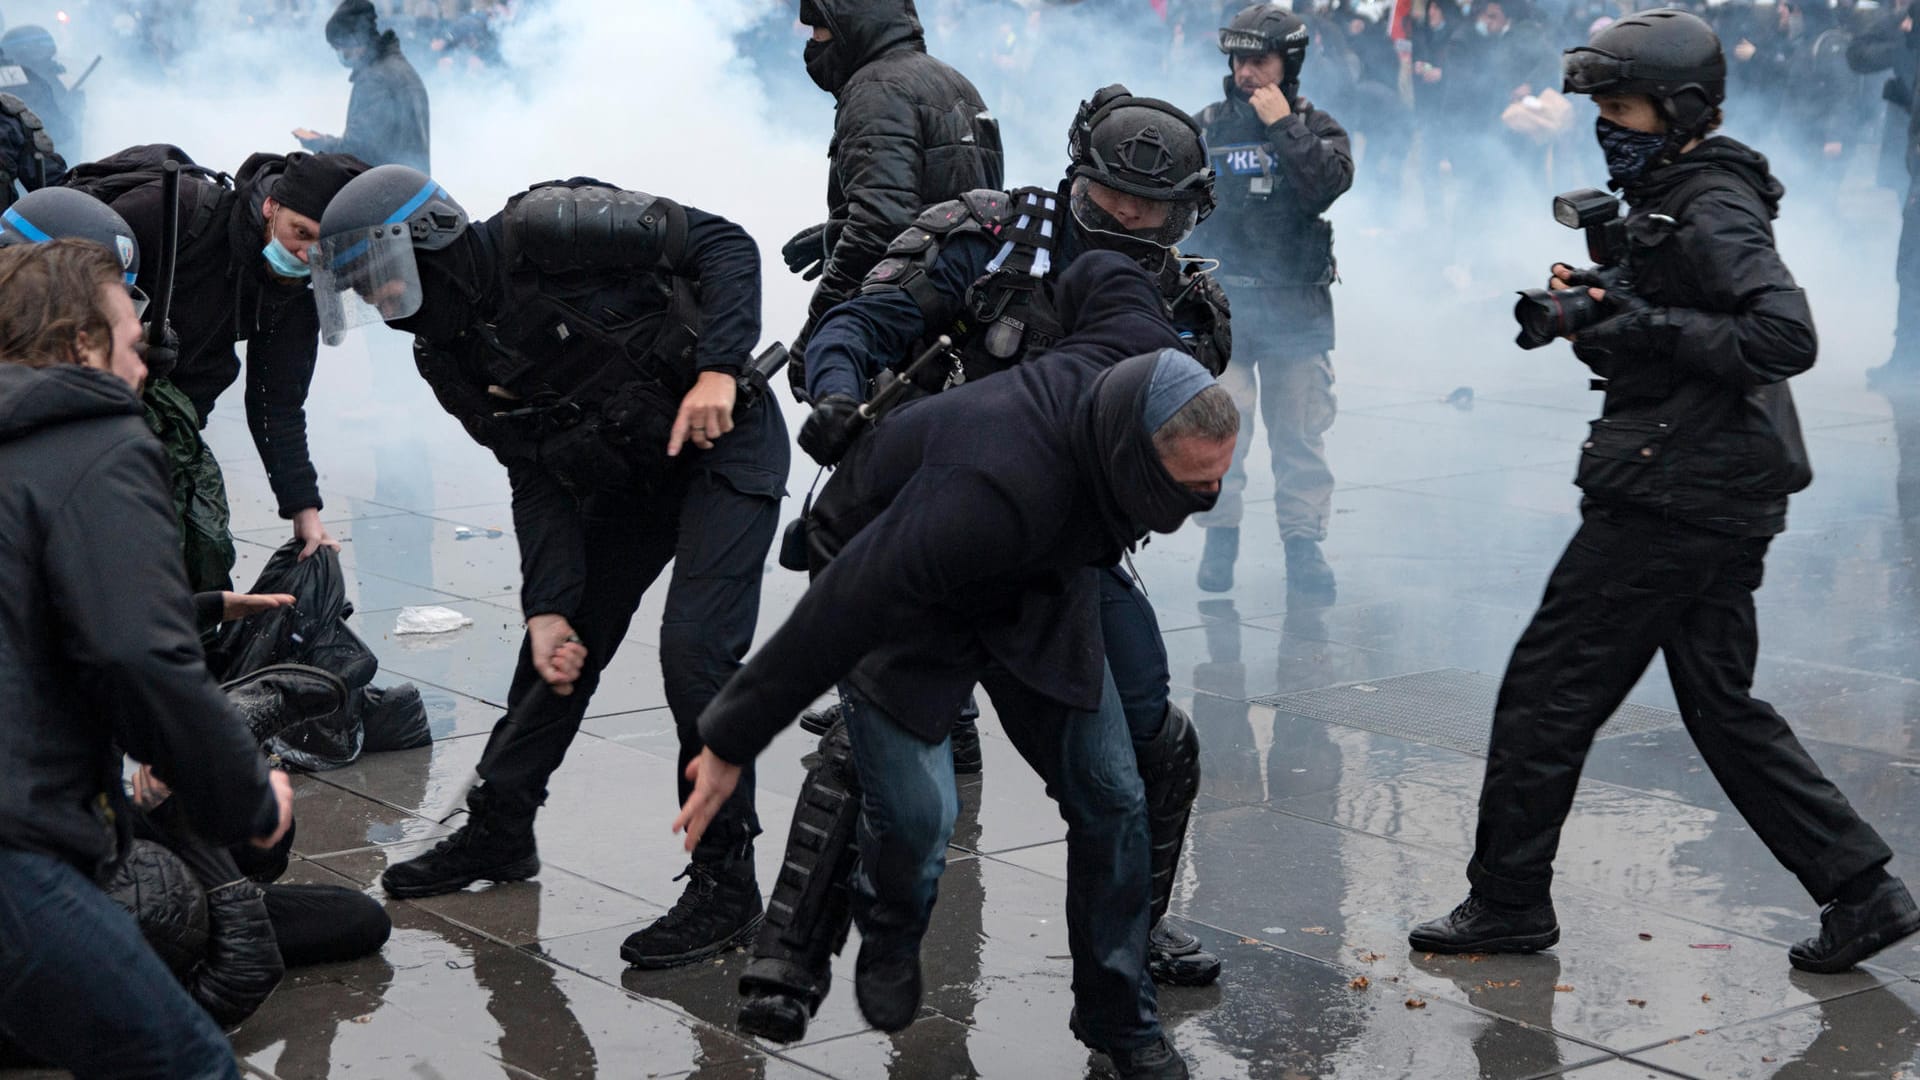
(908, 132)
(97, 641)
(952, 553)
(471, 279)
(387, 116)
(1698, 424)
(1275, 250)
(1885, 47)
(223, 294)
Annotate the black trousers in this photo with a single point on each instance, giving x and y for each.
(325, 924)
(1631, 583)
(715, 530)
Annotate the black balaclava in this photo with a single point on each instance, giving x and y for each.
(1115, 446)
(456, 284)
(822, 56)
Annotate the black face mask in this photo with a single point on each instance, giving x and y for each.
(821, 66)
(1629, 153)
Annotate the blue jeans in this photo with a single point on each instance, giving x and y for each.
(908, 806)
(80, 988)
(1136, 653)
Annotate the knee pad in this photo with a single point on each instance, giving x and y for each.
(1170, 768)
(810, 909)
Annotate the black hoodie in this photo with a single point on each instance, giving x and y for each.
(97, 639)
(223, 294)
(1698, 424)
(908, 132)
(961, 529)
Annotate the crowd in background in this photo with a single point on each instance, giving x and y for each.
(1448, 100)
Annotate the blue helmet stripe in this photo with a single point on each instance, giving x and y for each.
(413, 204)
(26, 228)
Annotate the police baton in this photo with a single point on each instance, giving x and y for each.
(169, 252)
(884, 402)
(756, 382)
(85, 75)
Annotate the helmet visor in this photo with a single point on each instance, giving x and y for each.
(1590, 71)
(1106, 212)
(364, 276)
(1245, 42)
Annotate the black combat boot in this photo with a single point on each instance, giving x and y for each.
(1154, 1061)
(1307, 571)
(1480, 926)
(966, 746)
(1175, 958)
(1855, 927)
(774, 1016)
(1216, 562)
(495, 844)
(719, 910)
(886, 980)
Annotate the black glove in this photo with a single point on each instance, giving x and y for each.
(806, 254)
(164, 357)
(830, 428)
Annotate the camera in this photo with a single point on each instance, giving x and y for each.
(1546, 314)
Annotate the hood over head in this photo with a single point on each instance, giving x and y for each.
(863, 30)
(1110, 307)
(1716, 152)
(32, 399)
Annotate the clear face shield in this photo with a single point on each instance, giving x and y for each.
(364, 276)
(1133, 225)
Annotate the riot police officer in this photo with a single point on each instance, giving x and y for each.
(1695, 327)
(592, 338)
(1282, 162)
(985, 271)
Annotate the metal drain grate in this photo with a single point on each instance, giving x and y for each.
(1450, 707)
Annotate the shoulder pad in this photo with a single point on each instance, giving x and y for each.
(981, 208)
(560, 229)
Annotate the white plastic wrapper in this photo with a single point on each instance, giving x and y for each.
(429, 620)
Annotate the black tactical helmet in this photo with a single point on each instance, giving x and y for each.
(1671, 56)
(1268, 28)
(1142, 146)
(57, 213)
(364, 269)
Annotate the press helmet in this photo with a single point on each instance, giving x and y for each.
(1269, 28)
(1671, 56)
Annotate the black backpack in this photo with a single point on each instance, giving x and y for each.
(205, 194)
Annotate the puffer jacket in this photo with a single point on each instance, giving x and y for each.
(908, 132)
(1698, 424)
(98, 647)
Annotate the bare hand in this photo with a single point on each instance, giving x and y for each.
(235, 605)
(148, 791)
(1429, 73)
(307, 134)
(1271, 104)
(558, 654)
(713, 783)
(282, 794)
(706, 413)
(1906, 25)
(1833, 149)
(1745, 50)
(312, 534)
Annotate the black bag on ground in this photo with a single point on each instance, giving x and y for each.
(313, 632)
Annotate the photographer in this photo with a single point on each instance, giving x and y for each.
(94, 664)
(1686, 477)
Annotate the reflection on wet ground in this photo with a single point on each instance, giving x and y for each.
(1314, 845)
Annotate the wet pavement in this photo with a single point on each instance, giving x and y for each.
(1342, 756)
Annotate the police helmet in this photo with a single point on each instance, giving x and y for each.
(1145, 148)
(1671, 56)
(30, 45)
(1269, 28)
(364, 269)
(57, 213)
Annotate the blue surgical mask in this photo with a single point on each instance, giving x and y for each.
(283, 262)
